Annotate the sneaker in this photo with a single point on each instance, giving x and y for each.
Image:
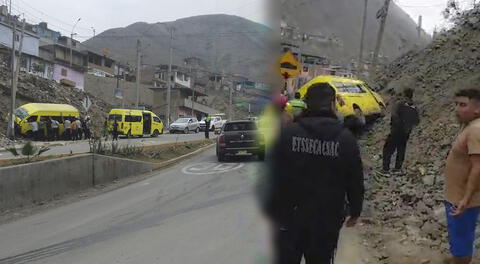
(384, 172)
(397, 171)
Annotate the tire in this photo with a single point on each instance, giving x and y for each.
(197, 130)
(220, 157)
(359, 114)
(186, 131)
(155, 133)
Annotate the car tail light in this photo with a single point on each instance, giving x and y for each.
(221, 139)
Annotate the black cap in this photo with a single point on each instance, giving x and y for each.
(320, 96)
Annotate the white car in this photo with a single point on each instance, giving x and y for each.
(216, 123)
(185, 125)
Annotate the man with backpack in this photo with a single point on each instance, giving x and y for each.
(404, 119)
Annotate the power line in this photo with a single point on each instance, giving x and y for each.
(52, 17)
(36, 19)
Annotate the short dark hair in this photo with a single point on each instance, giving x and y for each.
(470, 93)
(320, 96)
(408, 93)
(297, 95)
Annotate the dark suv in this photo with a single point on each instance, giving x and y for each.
(240, 138)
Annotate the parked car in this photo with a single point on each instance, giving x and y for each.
(215, 125)
(240, 138)
(354, 97)
(185, 125)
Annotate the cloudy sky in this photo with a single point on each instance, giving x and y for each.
(431, 10)
(106, 14)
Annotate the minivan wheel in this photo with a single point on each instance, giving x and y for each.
(186, 131)
(359, 114)
(197, 130)
(155, 133)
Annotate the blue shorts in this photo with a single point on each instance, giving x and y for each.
(461, 230)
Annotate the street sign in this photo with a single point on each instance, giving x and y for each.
(118, 93)
(289, 66)
(86, 103)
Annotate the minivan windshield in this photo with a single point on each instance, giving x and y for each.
(21, 113)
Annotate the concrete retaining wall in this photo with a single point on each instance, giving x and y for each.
(107, 169)
(43, 181)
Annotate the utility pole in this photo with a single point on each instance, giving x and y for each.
(139, 44)
(118, 80)
(11, 123)
(192, 83)
(382, 14)
(362, 38)
(230, 112)
(420, 22)
(71, 42)
(19, 60)
(170, 78)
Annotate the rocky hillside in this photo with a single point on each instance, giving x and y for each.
(223, 42)
(410, 203)
(341, 21)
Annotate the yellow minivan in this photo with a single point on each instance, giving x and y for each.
(34, 112)
(354, 97)
(135, 122)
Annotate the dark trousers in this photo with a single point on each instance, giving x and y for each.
(74, 134)
(316, 247)
(55, 133)
(79, 133)
(68, 134)
(87, 133)
(115, 135)
(396, 142)
(36, 135)
(207, 130)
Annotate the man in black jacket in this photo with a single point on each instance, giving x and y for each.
(315, 167)
(404, 119)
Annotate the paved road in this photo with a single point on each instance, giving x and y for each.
(196, 212)
(67, 147)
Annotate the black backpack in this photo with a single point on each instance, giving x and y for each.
(409, 117)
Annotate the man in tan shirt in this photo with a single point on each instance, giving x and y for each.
(462, 180)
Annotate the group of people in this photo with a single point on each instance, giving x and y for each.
(315, 181)
(48, 128)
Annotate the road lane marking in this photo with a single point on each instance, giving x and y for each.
(211, 168)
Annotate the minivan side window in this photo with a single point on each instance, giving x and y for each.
(156, 119)
(136, 118)
(32, 119)
(116, 117)
(59, 119)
